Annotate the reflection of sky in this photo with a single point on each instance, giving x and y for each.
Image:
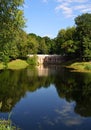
(45, 110)
(64, 115)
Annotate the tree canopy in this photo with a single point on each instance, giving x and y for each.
(83, 35)
(72, 42)
(11, 22)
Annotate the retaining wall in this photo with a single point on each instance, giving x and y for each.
(49, 59)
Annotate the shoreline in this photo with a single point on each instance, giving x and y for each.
(79, 67)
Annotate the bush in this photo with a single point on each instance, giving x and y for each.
(87, 67)
(5, 59)
(32, 60)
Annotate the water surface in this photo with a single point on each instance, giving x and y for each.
(46, 98)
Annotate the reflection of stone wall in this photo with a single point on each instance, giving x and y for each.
(49, 59)
(42, 71)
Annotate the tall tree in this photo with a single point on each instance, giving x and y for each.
(60, 39)
(83, 33)
(65, 44)
(32, 44)
(11, 22)
(42, 49)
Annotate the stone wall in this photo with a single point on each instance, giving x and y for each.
(49, 59)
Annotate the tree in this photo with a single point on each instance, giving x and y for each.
(49, 45)
(11, 22)
(32, 44)
(83, 32)
(87, 48)
(42, 49)
(22, 44)
(69, 48)
(65, 42)
(59, 40)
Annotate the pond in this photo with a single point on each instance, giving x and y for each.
(46, 98)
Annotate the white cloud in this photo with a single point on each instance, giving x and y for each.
(70, 1)
(70, 8)
(79, 7)
(65, 116)
(65, 9)
(86, 10)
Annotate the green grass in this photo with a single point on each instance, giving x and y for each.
(6, 125)
(1, 66)
(15, 64)
(81, 66)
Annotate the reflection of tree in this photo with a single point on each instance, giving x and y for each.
(11, 88)
(71, 86)
(76, 87)
(14, 85)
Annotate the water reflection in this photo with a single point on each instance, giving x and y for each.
(73, 88)
(76, 87)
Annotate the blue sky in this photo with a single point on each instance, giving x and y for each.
(47, 17)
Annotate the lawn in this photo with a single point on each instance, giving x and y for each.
(6, 125)
(80, 66)
(15, 64)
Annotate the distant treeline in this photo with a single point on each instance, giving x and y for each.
(72, 42)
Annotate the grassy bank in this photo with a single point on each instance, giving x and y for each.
(80, 66)
(7, 125)
(15, 64)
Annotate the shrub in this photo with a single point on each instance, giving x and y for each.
(87, 67)
(5, 59)
(32, 60)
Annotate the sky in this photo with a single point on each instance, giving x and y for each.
(47, 17)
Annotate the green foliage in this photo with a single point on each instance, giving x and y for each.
(88, 67)
(83, 35)
(32, 60)
(87, 48)
(32, 44)
(5, 59)
(49, 45)
(42, 47)
(81, 66)
(83, 25)
(68, 47)
(75, 42)
(7, 125)
(39, 45)
(11, 22)
(22, 45)
(65, 42)
(72, 42)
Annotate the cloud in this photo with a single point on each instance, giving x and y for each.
(67, 11)
(65, 115)
(70, 8)
(70, 1)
